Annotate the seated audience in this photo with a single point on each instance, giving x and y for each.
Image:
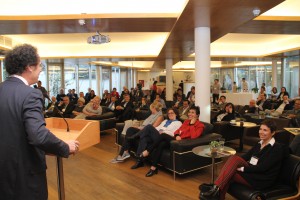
(93, 108)
(184, 110)
(150, 133)
(115, 93)
(274, 94)
(51, 106)
(124, 111)
(65, 108)
(61, 95)
(178, 102)
(154, 119)
(90, 96)
(294, 114)
(258, 168)
(143, 105)
(79, 107)
(112, 104)
(73, 96)
(160, 100)
(191, 128)
(282, 93)
(221, 102)
(281, 106)
(251, 108)
(106, 101)
(191, 96)
(226, 114)
(263, 103)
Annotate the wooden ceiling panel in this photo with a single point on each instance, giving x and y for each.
(269, 27)
(92, 25)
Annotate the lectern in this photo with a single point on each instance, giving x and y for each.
(87, 132)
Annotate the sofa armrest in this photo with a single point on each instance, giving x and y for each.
(101, 117)
(188, 144)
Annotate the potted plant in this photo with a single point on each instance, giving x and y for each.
(214, 145)
(255, 90)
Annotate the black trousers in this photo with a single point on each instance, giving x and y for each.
(215, 98)
(162, 142)
(127, 144)
(148, 135)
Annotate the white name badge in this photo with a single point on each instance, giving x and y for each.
(253, 161)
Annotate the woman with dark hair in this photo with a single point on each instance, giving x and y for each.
(191, 128)
(90, 97)
(151, 133)
(258, 168)
(226, 114)
(274, 94)
(282, 93)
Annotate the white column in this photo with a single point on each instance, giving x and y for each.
(202, 71)
(274, 73)
(169, 80)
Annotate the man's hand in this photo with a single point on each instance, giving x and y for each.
(73, 146)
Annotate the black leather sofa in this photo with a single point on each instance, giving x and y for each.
(107, 119)
(179, 158)
(286, 185)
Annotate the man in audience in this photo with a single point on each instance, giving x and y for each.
(87, 95)
(178, 102)
(222, 102)
(112, 104)
(184, 110)
(282, 105)
(65, 108)
(73, 96)
(191, 95)
(251, 108)
(61, 95)
(160, 100)
(263, 103)
(294, 114)
(125, 110)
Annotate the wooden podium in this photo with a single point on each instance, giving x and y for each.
(87, 132)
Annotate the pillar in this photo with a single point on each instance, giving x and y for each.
(274, 73)
(202, 71)
(169, 80)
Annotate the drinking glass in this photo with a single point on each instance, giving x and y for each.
(221, 143)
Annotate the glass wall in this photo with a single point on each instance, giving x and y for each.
(115, 78)
(70, 77)
(105, 79)
(94, 80)
(242, 72)
(291, 75)
(84, 79)
(226, 78)
(55, 77)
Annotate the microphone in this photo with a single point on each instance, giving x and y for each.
(60, 114)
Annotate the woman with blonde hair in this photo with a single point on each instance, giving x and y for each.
(91, 109)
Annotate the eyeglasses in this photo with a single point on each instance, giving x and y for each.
(171, 113)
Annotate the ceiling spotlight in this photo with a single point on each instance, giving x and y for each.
(81, 22)
(98, 39)
(256, 12)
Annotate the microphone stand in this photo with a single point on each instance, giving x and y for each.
(60, 114)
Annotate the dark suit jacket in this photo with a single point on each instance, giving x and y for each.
(266, 105)
(24, 142)
(68, 111)
(125, 114)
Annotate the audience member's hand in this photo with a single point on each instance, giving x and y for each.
(73, 146)
(291, 116)
(178, 137)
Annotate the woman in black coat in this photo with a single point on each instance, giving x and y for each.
(226, 114)
(282, 93)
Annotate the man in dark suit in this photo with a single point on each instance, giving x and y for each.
(125, 110)
(24, 139)
(263, 103)
(65, 108)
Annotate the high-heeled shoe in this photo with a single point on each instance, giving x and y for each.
(151, 172)
(139, 163)
(213, 193)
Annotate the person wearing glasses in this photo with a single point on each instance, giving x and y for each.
(150, 134)
(191, 128)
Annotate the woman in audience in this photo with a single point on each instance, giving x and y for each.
(282, 93)
(91, 109)
(150, 134)
(90, 96)
(154, 119)
(226, 114)
(258, 168)
(79, 107)
(191, 128)
(274, 94)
